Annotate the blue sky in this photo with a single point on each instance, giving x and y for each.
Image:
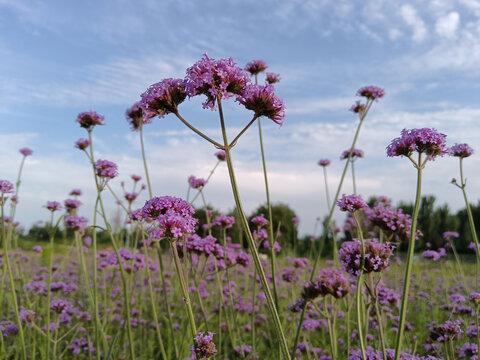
(60, 58)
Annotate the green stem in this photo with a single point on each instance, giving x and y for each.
(145, 162)
(326, 186)
(198, 132)
(408, 270)
(251, 243)
(353, 178)
(359, 294)
(374, 295)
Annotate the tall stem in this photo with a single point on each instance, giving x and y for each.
(359, 293)
(408, 270)
(251, 243)
(326, 186)
(144, 157)
(270, 216)
(353, 178)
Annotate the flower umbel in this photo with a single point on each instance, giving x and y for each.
(256, 67)
(371, 92)
(262, 100)
(163, 98)
(428, 141)
(89, 119)
(351, 203)
(461, 150)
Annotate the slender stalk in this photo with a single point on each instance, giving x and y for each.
(359, 294)
(353, 178)
(326, 186)
(378, 313)
(144, 157)
(476, 324)
(408, 269)
(12, 282)
(183, 285)
(251, 243)
(195, 130)
(208, 178)
(329, 218)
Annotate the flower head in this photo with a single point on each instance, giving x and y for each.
(351, 203)
(221, 155)
(259, 220)
(214, 78)
(323, 162)
(196, 183)
(256, 67)
(82, 144)
(224, 221)
(135, 116)
(76, 223)
(461, 150)
(262, 100)
(428, 141)
(6, 187)
(204, 347)
(53, 206)
(76, 192)
(26, 151)
(71, 205)
(358, 107)
(272, 78)
(173, 216)
(371, 92)
(163, 98)
(106, 169)
(356, 153)
(89, 119)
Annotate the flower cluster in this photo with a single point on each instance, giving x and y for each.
(196, 183)
(53, 206)
(256, 67)
(135, 117)
(214, 78)
(131, 262)
(356, 153)
(221, 156)
(163, 98)
(6, 187)
(358, 108)
(106, 169)
(82, 144)
(204, 347)
(450, 330)
(89, 119)
(224, 221)
(26, 151)
(324, 162)
(259, 220)
(272, 78)
(173, 216)
(371, 92)
(434, 254)
(71, 205)
(76, 223)
(461, 150)
(425, 140)
(377, 256)
(262, 100)
(333, 282)
(351, 203)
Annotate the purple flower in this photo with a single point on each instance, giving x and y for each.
(196, 183)
(356, 153)
(224, 221)
(71, 205)
(82, 144)
(6, 187)
(259, 220)
(296, 221)
(324, 162)
(262, 100)
(60, 305)
(27, 316)
(76, 223)
(53, 206)
(204, 346)
(461, 150)
(221, 155)
(351, 203)
(130, 197)
(358, 107)
(106, 169)
(89, 119)
(332, 281)
(76, 192)
(163, 98)
(450, 330)
(214, 78)
(256, 67)
(136, 178)
(431, 254)
(428, 141)
(371, 92)
(449, 235)
(272, 78)
(135, 117)
(172, 215)
(37, 249)
(26, 151)
(475, 297)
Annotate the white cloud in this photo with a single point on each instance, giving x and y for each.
(310, 106)
(394, 33)
(447, 25)
(411, 17)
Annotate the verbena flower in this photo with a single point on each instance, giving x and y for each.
(136, 178)
(332, 281)
(172, 216)
(358, 107)
(450, 330)
(214, 78)
(259, 220)
(351, 203)
(82, 144)
(204, 347)
(60, 305)
(224, 221)
(356, 153)
(425, 140)
(71, 205)
(75, 192)
(106, 169)
(324, 162)
(135, 118)
(221, 155)
(26, 151)
(6, 187)
(371, 92)
(196, 183)
(163, 98)
(272, 78)
(461, 150)
(76, 223)
(53, 206)
(89, 119)
(377, 256)
(256, 67)
(262, 100)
